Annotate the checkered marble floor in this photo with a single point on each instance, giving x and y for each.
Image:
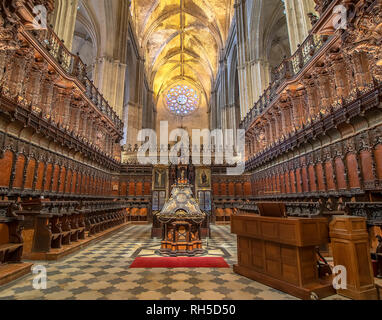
(101, 272)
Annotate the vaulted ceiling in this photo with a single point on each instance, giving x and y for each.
(182, 40)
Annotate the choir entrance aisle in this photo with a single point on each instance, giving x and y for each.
(101, 271)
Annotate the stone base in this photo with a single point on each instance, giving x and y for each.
(169, 253)
(12, 271)
(140, 222)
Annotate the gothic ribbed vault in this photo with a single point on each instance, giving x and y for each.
(181, 40)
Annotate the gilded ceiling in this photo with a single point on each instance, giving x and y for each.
(182, 39)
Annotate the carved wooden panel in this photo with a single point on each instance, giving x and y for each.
(329, 174)
(19, 176)
(40, 176)
(55, 176)
(147, 188)
(139, 189)
(123, 191)
(6, 167)
(49, 173)
(352, 165)
(367, 166)
(340, 174)
(312, 178)
(131, 189)
(378, 160)
(30, 174)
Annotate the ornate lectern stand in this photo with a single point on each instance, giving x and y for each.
(181, 220)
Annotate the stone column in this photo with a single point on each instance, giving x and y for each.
(110, 80)
(260, 78)
(64, 20)
(298, 20)
(244, 69)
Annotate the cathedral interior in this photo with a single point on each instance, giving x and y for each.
(86, 86)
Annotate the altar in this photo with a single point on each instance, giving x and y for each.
(181, 220)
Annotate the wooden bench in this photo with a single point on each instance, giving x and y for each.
(55, 223)
(103, 215)
(11, 241)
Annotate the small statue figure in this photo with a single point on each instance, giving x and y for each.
(379, 257)
(313, 18)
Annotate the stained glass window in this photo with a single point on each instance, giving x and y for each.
(182, 100)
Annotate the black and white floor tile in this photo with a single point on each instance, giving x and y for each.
(101, 272)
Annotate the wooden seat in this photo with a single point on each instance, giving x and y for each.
(143, 214)
(227, 214)
(134, 214)
(11, 241)
(219, 213)
(10, 252)
(10, 246)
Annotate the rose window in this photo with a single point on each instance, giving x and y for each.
(182, 100)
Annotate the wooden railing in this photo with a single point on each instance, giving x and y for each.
(74, 66)
(287, 70)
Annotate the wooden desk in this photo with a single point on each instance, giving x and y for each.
(280, 253)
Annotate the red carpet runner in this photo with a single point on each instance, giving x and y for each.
(179, 262)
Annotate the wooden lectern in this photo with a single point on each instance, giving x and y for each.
(280, 253)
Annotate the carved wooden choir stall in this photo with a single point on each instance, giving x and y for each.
(11, 241)
(57, 224)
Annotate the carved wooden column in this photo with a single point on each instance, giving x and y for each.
(62, 107)
(75, 116)
(297, 106)
(268, 129)
(257, 140)
(285, 108)
(323, 87)
(6, 61)
(272, 125)
(22, 61)
(361, 75)
(328, 159)
(338, 71)
(277, 121)
(47, 93)
(310, 89)
(84, 125)
(34, 86)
